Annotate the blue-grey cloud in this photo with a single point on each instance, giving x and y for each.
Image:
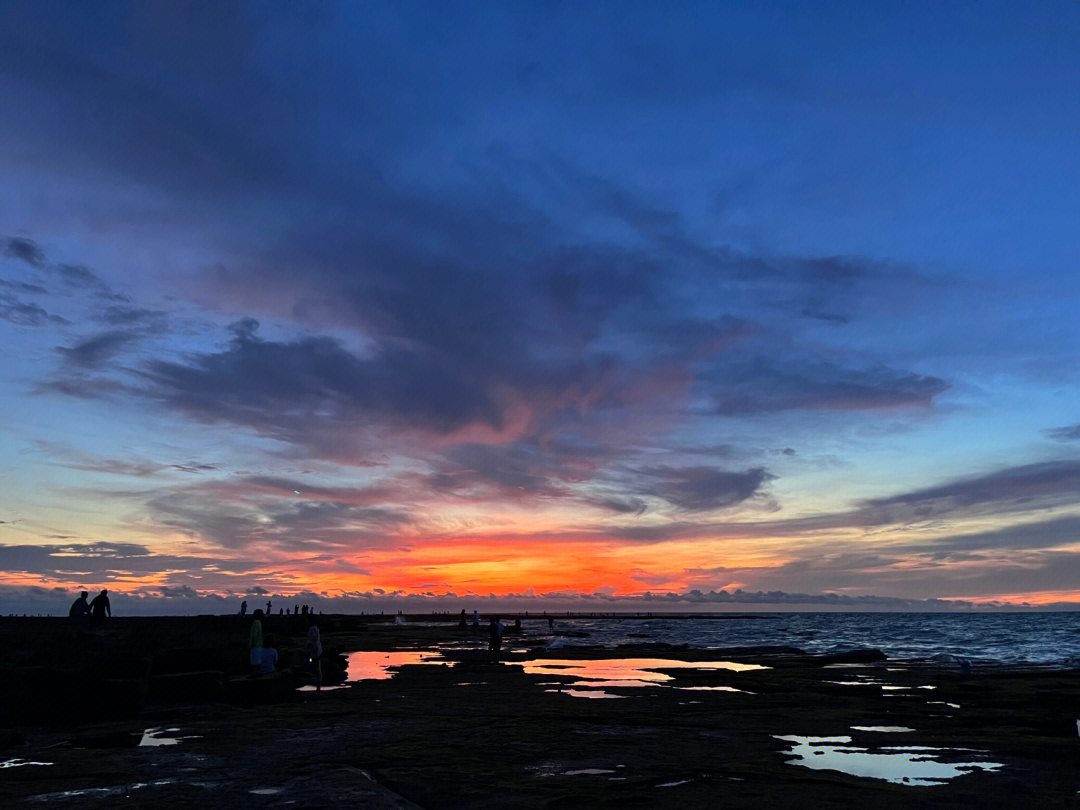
(25, 250)
(93, 352)
(1068, 433)
(705, 488)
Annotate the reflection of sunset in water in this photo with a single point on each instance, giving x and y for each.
(376, 666)
(626, 671)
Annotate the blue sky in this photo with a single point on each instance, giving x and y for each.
(564, 299)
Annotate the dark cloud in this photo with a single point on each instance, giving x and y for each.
(84, 279)
(705, 488)
(21, 287)
(94, 352)
(195, 467)
(96, 561)
(1026, 487)
(129, 316)
(313, 391)
(522, 468)
(1068, 433)
(25, 313)
(24, 250)
(288, 523)
(766, 385)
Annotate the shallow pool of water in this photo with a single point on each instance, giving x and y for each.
(905, 765)
(628, 672)
(152, 737)
(585, 693)
(20, 763)
(377, 666)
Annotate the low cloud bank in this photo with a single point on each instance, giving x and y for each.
(36, 600)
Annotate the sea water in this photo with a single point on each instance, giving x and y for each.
(1015, 638)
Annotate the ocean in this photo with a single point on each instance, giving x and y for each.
(1008, 638)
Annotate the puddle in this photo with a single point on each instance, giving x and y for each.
(585, 693)
(715, 689)
(162, 736)
(588, 772)
(266, 791)
(312, 688)
(19, 763)
(630, 672)
(885, 687)
(904, 765)
(883, 729)
(943, 703)
(673, 784)
(376, 666)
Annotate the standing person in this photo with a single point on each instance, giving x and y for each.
(495, 634)
(255, 641)
(79, 608)
(99, 607)
(314, 652)
(462, 623)
(475, 622)
(243, 608)
(269, 605)
(268, 657)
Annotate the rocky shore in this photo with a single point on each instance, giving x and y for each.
(163, 712)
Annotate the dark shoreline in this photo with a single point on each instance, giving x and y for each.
(477, 734)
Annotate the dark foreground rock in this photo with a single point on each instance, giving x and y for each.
(482, 735)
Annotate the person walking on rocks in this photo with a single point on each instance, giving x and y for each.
(495, 635)
(314, 652)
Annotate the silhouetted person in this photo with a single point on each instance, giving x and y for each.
(516, 629)
(243, 608)
(255, 641)
(462, 623)
(99, 607)
(269, 605)
(296, 609)
(268, 658)
(495, 634)
(475, 622)
(79, 608)
(313, 647)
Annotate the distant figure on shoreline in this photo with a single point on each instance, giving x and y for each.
(313, 646)
(255, 641)
(269, 605)
(495, 635)
(100, 609)
(475, 622)
(462, 622)
(243, 608)
(79, 608)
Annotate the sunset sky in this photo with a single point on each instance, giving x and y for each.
(567, 303)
